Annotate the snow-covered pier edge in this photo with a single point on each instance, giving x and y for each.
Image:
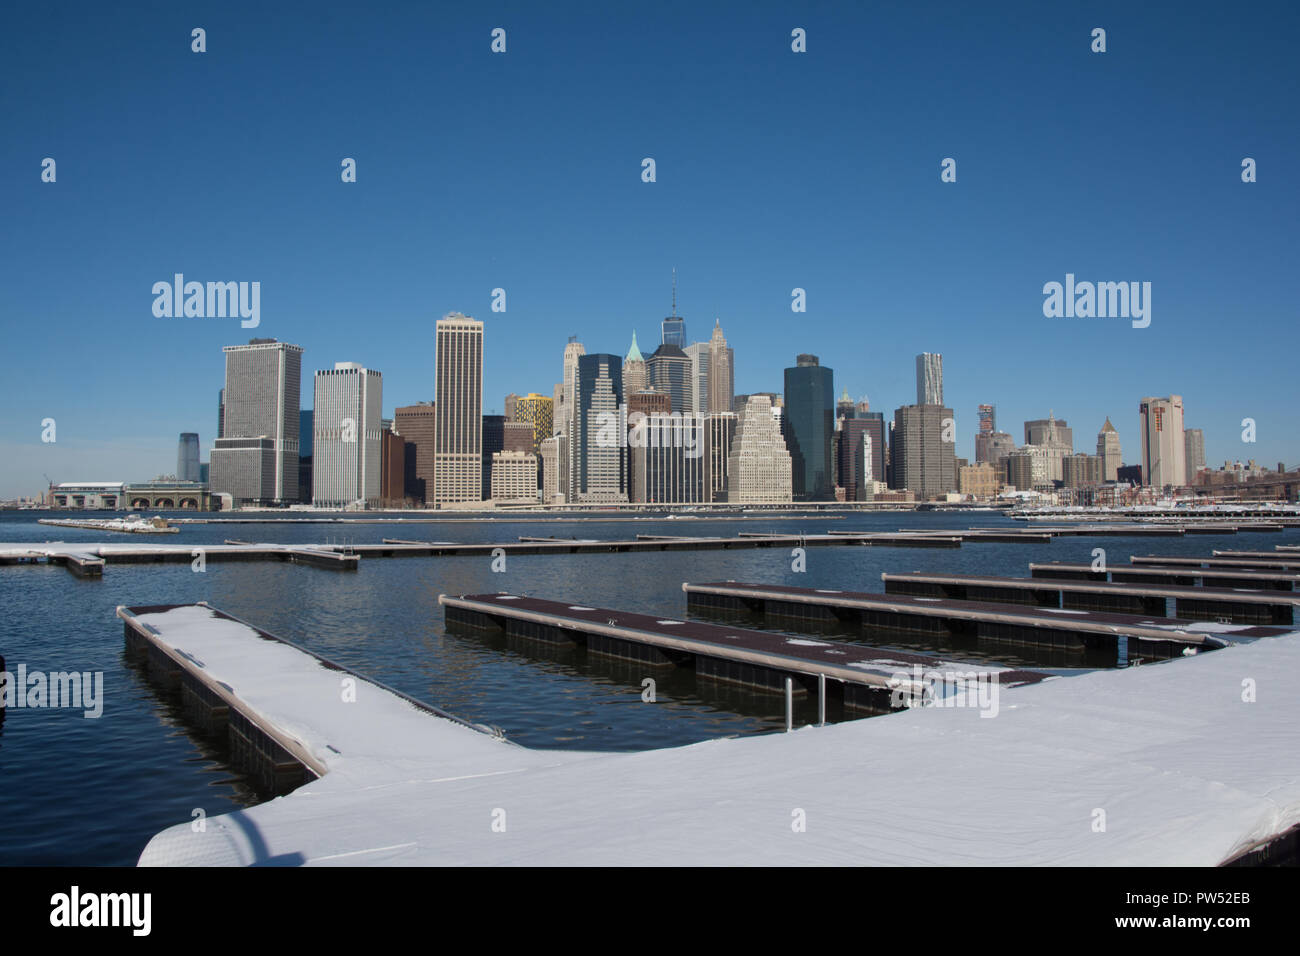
(1188, 762)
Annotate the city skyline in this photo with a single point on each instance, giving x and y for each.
(747, 206)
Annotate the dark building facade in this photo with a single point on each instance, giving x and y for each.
(669, 370)
(809, 427)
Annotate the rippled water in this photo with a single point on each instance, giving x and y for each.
(74, 790)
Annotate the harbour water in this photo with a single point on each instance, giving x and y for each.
(93, 791)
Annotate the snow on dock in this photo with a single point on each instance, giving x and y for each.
(1164, 764)
(134, 525)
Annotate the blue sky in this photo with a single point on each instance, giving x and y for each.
(775, 170)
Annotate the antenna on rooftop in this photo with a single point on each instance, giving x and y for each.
(674, 292)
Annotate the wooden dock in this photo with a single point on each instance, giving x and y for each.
(1130, 636)
(1276, 562)
(1182, 576)
(1225, 605)
(867, 678)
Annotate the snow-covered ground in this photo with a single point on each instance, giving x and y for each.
(1186, 762)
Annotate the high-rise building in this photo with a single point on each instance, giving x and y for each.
(511, 401)
(844, 408)
(635, 374)
(1020, 470)
(759, 465)
(221, 413)
(563, 410)
(494, 440)
(187, 457)
(458, 400)
(1052, 435)
(306, 419)
(598, 454)
(550, 469)
(979, 480)
(261, 401)
(1081, 470)
(988, 418)
(722, 371)
(649, 401)
(1193, 452)
(517, 436)
(416, 423)
(670, 371)
(698, 383)
(929, 378)
(852, 455)
(674, 327)
(1108, 451)
(993, 447)
(347, 442)
(666, 461)
(809, 428)
(878, 433)
(719, 431)
(392, 468)
(923, 451)
(537, 410)
(1164, 462)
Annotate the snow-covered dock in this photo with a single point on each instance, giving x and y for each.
(1233, 605)
(1129, 636)
(1187, 762)
(135, 525)
(79, 557)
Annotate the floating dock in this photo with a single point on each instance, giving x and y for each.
(1129, 636)
(123, 525)
(1225, 605)
(1183, 576)
(1276, 562)
(1187, 774)
(868, 678)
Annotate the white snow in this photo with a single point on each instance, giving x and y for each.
(1187, 773)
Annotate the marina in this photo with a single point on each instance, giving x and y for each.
(1183, 576)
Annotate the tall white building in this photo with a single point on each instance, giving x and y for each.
(550, 459)
(722, 365)
(346, 436)
(1163, 450)
(758, 469)
(929, 378)
(458, 404)
(698, 387)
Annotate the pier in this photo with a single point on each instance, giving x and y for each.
(1182, 576)
(862, 678)
(1277, 562)
(1225, 605)
(1127, 636)
(395, 782)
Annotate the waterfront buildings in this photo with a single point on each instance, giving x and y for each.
(1108, 451)
(979, 480)
(538, 411)
(698, 383)
(458, 400)
(809, 428)
(187, 457)
(719, 432)
(1194, 452)
(929, 379)
(416, 423)
(1082, 471)
(392, 469)
(759, 467)
(855, 455)
(993, 447)
(260, 405)
(1160, 423)
(549, 466)
(722, 370)
(923, 450)
(494, 440)
(667, 461)
(1055, 438)
(669, 370)
(347, 442)
(514, 477)
(597, 452)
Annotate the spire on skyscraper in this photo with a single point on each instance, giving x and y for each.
(634, 353)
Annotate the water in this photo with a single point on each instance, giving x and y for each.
(80, 791)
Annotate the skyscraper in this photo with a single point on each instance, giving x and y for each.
(563, 410)
(722, 369)
(1108, 451)
(458, 400)
(187, 457)
(674, 327)
(538, 411)
(698, 386)
(670, 371)
(263, 386)
(855, 442)
(666, 463)
(759, 465)
(415, 423)
(1193, 453)
(347, 444)
(1163, 452)
(809, 428)
(929, 378)
(494, 440)
(988, 418)
(598, 455)
(635, 375)
(922, 450)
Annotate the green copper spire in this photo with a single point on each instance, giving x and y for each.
(634, 354)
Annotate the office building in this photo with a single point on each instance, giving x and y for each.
(719, 431)
(759, 468)
(1082, 471)
(1193, 452)
(722, 367)
(809, 427)
(988, 420)
(494, 440)
(458, 401)
(698, 383)
(416, 423)
(670, 370)
(514, 477)
(635, 374)
(667, 462)
(187, 457)
(347, 443)
(597, 454)
(1108, 451)
(550, 469)
(260, 401)
(923, 451)
(1160, 421)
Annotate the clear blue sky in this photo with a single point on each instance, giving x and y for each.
(523, 171)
